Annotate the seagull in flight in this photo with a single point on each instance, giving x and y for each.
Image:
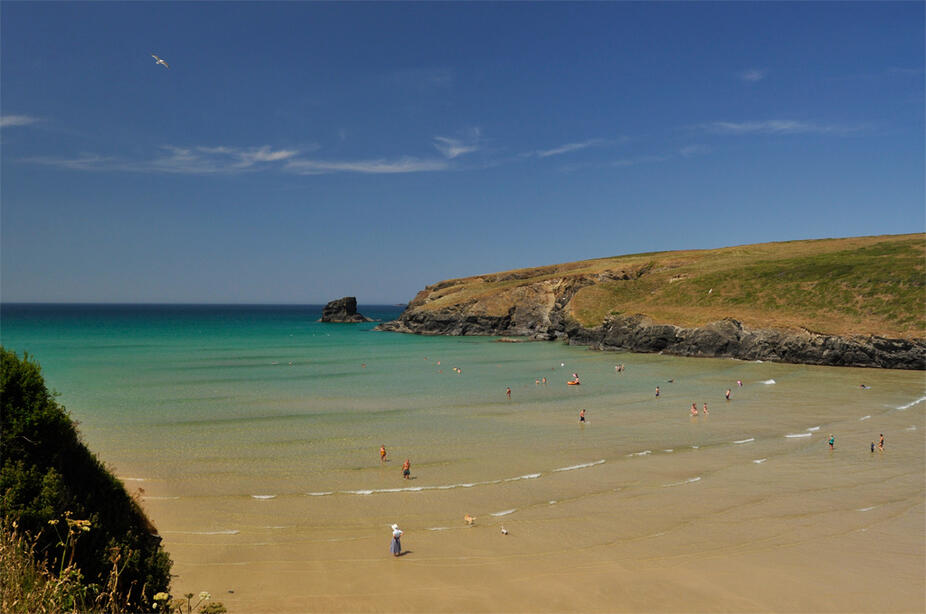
(159, 61)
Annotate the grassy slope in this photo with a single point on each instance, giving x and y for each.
(863, 285)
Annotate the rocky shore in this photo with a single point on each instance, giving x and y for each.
(727, 338)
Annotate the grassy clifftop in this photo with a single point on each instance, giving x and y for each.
(853, 286)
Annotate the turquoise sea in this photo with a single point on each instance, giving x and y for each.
(252, 436)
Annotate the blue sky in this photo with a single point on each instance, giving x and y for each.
(299, 152)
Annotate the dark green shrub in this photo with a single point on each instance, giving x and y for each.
(47, 472)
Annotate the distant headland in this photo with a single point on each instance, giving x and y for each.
(842, 302)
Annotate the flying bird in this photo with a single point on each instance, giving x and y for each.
(159, 61)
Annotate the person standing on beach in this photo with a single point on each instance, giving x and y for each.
(508, 391)
(406, 469)
(657, 392)
(396, 547)
(831, 441)
(382, 453)
(727, 394)
(881, 443)
(705, 409)
(694, 409)
(582, 416)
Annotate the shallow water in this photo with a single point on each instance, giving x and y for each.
(254, 435)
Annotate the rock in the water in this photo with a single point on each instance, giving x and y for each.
(343, 310)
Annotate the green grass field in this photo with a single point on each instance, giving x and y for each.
(862, 285)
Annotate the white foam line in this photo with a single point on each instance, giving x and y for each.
(866, 509)
(439, 529)
(504, 512)
(320, 494)
(529, 476)
(695, 447)
(552, 501)
(864, 418)
(688, 481)
(912, 427)
(134, 479)
(793, 435)
(582, 466)
(759, 461)
(911, 404)
(226, 532)
(152, 498)
(264, 497)
(745, 440)
(643, 453)
(813, 429)
(668, 450)
(767, 382)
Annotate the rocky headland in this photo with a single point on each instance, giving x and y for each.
(343, 310)
(581, 304)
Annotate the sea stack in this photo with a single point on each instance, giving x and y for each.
(343, 310)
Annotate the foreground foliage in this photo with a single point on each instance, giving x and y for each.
(72, 535)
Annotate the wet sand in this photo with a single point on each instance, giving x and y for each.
(692, 529)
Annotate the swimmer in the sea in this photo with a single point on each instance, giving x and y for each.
(705, 409)
(694, 409)
(727, 394)
(657, 391)
(508, 392)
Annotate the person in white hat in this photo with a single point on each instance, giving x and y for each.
(396, 547)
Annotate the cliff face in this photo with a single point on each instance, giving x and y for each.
(551, 302)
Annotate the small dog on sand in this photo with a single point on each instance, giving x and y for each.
(469, 520)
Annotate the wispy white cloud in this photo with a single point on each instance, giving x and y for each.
(694, 150)
(564, 149)
(633, 161)
(453, 147)
(177, 160)
(7, 121)
(752, 75)
(778, 126)
(378, 166)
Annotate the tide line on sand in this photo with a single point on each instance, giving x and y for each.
(911, 404)
(683, 482)
(796, 435)
(582, 466)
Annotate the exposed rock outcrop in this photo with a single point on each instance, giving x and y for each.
(542, 315)
(729, 338)
(343, 310)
